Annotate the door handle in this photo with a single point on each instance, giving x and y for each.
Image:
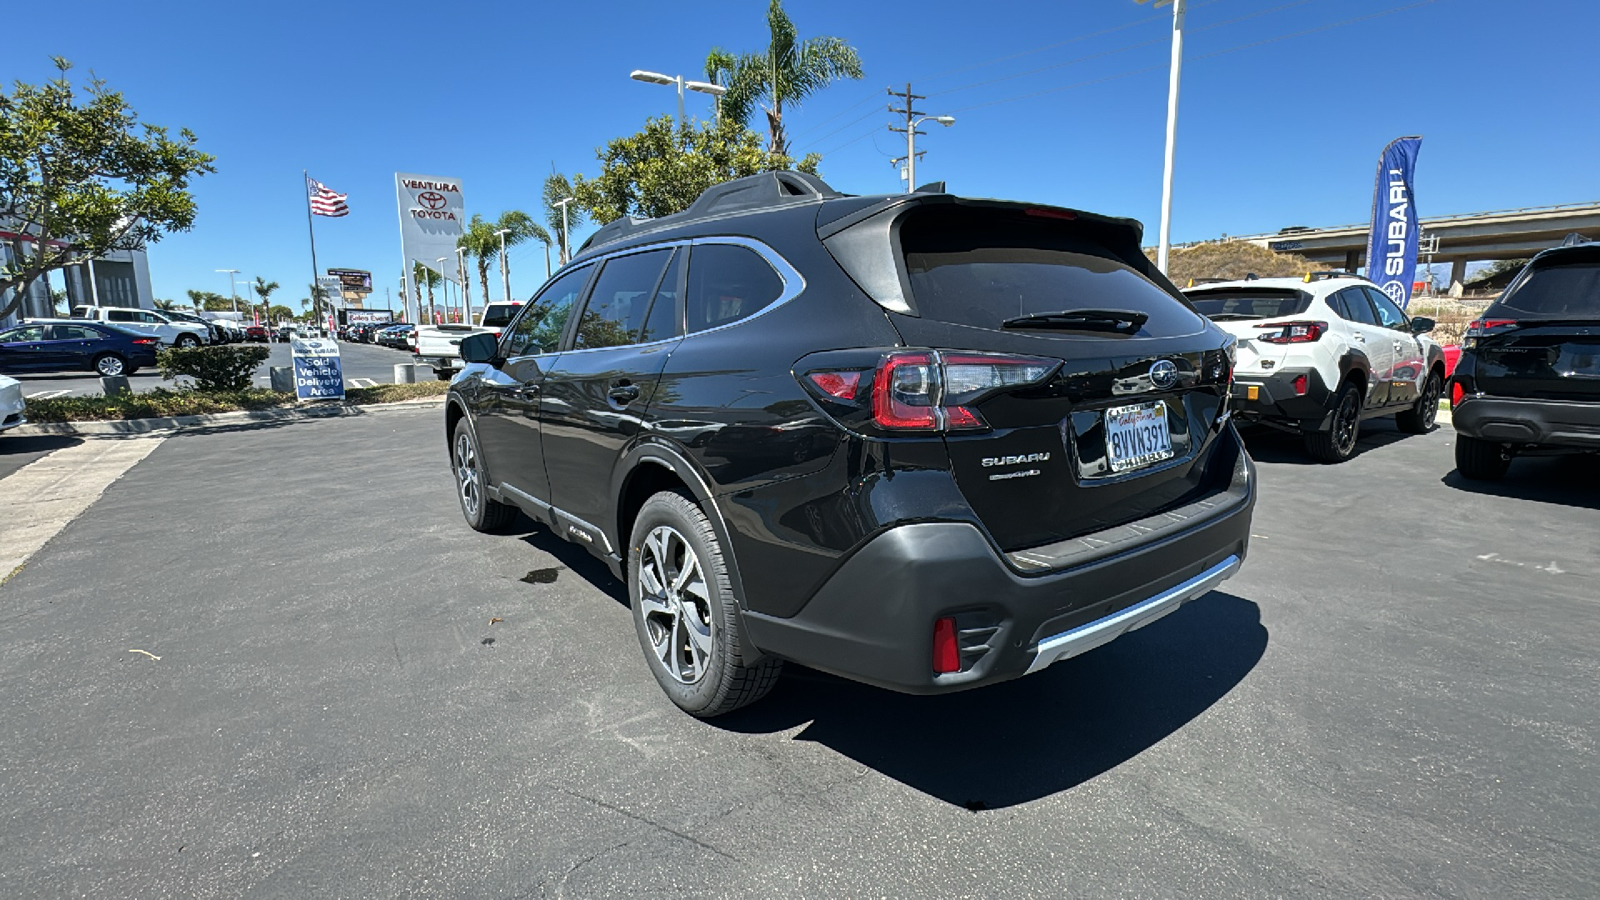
(623, 394)
(1360, 337)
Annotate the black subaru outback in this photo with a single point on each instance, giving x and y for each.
(1528, 382)
(921, 441)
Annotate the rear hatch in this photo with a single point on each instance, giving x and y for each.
(1541, 338)
(1079, 389)
(1241, 310)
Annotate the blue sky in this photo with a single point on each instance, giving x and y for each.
(1284, 110)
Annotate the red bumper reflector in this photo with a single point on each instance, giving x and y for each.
(1300, 386)
(946, 655)
(1456, 393)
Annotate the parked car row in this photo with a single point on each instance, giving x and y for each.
(63, 345)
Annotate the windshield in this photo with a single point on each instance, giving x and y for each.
(1222, 306)
(1554, 292)
(974, 268)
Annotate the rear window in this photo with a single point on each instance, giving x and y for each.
(498, 315)
(969, 268)
(1555, 292)
(1224, 306)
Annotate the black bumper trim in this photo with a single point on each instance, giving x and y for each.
(1560, 423)
(1276, 398)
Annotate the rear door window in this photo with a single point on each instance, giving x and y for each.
(728, 282)
(978, 270)
(1555, 292)
(121, 315)
(665, 320)
(1223, 306)
(620, 299)
(73, 333)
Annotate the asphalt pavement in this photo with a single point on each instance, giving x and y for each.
(364, 365)
(356, 695)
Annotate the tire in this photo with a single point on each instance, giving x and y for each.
(1480, 460)
(444, 374)
(1338, 443)
(186, 341)
(1419, 418)
(110, 365)
(686, 618)
(481, 513)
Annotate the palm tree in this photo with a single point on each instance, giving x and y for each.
(264, 289)
(788, 71)
(422, 275)
(518, 227)
(166, 304)
(556, 189)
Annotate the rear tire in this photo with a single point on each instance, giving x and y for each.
(1419, 418)
(1338, 443)
(110, 365)
(481, 513)
(1480, 460)
(685, 614)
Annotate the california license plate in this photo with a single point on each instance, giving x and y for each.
(1137, 435)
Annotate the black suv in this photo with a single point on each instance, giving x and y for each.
(921, 441)
(1529, 377)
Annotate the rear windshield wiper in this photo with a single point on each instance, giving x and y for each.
(1219, 317)
(1109, 319)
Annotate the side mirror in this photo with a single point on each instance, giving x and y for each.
(479, 348)
(1422, 325)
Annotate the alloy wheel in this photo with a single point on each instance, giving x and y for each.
(110, 366)
(1345, 422)
(467, 478)
(676, 604)
(1431, 392)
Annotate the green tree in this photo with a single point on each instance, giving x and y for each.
(482, 241)
(661, 170)
(166, 304)
(556, 189)
(77, 177)
(264, 289)
(209, 301)
(786, 72)
(278, 313)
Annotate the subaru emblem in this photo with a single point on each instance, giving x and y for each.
(1163, 374)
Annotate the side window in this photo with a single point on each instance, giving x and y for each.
(25, 333)
(1389, 315)
(120, 315)
(727, 283)
(665, 321)
(621, 295)
(73, 333)
(539, 328)
(1336, 303)
(1357, 307)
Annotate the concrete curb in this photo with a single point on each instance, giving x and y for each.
(243, 417)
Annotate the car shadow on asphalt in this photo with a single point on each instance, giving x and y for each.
(1272, 446)
(1022, 740)
(572, 557)
(13, 445)
(1572, 480)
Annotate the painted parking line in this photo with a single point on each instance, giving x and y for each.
(39, 499)
(361, 382)
(46, 395)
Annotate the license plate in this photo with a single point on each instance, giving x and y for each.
(1137, 435)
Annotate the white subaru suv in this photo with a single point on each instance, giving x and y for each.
(1319, 354)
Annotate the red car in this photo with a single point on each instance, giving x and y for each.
(256, 333)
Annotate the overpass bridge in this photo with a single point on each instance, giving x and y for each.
(1473, 237)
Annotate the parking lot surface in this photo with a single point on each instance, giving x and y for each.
(1396, 697)
(363, 364)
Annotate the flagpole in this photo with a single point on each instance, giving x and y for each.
(316, 302)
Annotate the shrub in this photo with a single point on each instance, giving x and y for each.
(225, 368)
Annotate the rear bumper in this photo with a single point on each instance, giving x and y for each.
(1559, 423)
(440, 363)
(1277, 398)
(873, 620)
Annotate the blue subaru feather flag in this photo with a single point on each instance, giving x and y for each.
(1392, 243)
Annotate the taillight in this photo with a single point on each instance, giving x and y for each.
(946, 653)
(926, 390)
(1477, 328)
(1292, 332)
(147, 340)
(1457, 392)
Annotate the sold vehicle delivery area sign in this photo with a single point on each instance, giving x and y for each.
(318, 374)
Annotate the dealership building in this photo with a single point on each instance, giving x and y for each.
(118, 278)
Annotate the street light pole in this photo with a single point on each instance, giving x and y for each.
(433, 309)
(505, 269)
(466, 293)
(704, 87)
(911, 145)
(566, 247)
(231, 292)
(1165, 245)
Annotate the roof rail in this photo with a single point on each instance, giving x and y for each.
(1332, 273)
(766, 189)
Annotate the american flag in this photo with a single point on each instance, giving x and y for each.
(324, 202)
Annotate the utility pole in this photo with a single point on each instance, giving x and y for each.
(910, 131)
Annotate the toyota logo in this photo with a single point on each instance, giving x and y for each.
(431, 199)
(1163, 374)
